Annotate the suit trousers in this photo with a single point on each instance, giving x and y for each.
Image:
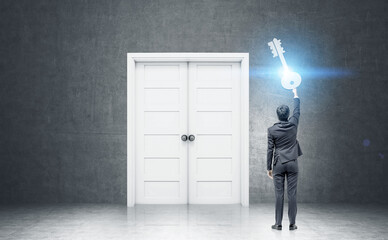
(280, 172)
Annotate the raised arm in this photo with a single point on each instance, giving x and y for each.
(296, 113)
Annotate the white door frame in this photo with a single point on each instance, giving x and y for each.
(132, 58)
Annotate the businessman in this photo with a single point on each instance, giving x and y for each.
(284, 149)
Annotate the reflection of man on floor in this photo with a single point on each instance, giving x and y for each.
(284, 149)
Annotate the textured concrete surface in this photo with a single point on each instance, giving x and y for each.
(102, 221)
(63, 90)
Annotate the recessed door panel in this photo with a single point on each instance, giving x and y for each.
(160, 189)
(162, 168)
(162, 122)
(206, 166)
(210, 191)
(214, 122)
(214, 96)
(213, 145)
(155, 97)
(160, 75)
(213, 75)
(162, 145)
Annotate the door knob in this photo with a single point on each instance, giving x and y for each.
(184, 138)
(191, 137)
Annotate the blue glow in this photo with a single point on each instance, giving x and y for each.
(308, 72)
(325, 72)
(283, 71)
(366, 142)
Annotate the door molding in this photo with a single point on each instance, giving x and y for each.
(132, 58)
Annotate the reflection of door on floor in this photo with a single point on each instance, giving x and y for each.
(187, 98)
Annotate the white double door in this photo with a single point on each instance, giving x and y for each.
(197, 99)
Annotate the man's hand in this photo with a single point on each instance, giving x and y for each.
(269, 173)
(295, 93)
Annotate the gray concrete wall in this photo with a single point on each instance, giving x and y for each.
(63, 90)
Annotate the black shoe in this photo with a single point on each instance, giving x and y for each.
(277, 227)
(293, 227)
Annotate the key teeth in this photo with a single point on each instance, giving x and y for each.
(272, 47)
(275, 54)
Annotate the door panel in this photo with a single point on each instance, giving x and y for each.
(214, 122)
(212, 145)
(161, 118)
(214, 190)
(161, 122)
(214, 119)
(158, 189)
(152, 168)
(162, 145)
(213, 75)
(221, 96)
(206, 166)
(162, 75)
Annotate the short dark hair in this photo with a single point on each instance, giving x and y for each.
(283, 112)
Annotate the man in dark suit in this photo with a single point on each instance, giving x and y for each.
(284, 149)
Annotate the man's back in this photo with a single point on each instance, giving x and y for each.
(282, 143)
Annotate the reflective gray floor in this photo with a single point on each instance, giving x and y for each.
(101, 221)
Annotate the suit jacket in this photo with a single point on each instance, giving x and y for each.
(282, 143)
